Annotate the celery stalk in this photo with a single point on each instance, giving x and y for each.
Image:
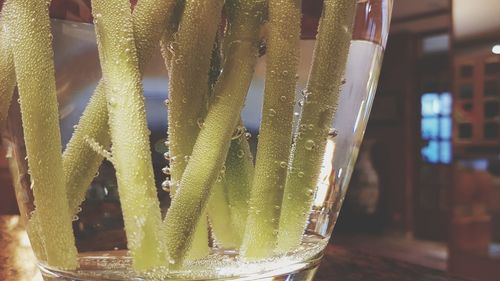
(149, 18)
(28, 28)
(322, 91)
(212, 145)
(7, 73)
(275, 136)
(129, 132)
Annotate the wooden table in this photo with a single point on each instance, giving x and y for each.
(17, 262)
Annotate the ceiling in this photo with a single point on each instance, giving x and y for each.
(470, 19)
(473, 19)
(421, 16)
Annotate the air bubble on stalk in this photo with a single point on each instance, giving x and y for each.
(186, 158)
(200, 122)
(240, 154)
(309, 144)
(166, 170)
(166, 155)
(75, 127)
(301, 103)
(166, 185)
(238, 132)
(75, 218)
(167, 143)
(248, 135)
(310, 126)
(272, 112)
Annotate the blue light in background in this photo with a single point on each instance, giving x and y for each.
(436, 127)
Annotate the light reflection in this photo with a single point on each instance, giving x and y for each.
(326, 177)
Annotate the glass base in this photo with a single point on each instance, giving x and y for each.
(117, 266)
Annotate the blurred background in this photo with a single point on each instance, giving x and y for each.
(426, 189)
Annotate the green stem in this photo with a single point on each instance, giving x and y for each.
(322, 92)
(28, 27)
(239, 177)
(212, 145)
(275, 136)
(94, 122)
(129, 132)
(188, 84)
(8, 75)
(189, 91)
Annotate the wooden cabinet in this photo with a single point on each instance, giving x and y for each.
(477, 101)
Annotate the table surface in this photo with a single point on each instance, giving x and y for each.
(17, 262)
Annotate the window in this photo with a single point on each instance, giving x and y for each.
(436, 128)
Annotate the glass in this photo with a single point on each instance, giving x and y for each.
(98, 225)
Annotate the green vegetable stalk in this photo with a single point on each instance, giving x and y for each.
(319, 107)
(228, 203)
(129, 132)
(275, 136)
(149, 18)
(28, 28)
(212, 145)
(167, 37)
(188, 84)
(7, 73)
(188, 92)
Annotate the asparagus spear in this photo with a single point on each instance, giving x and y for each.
(149, 18)
(322, 91)
(129, 132)
(275, 136)
(214, 139)
(28, 28)
(7, 73)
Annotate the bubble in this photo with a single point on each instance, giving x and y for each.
(186, 158)
(283, 164)
(166, 185)
(309, 144)
(167, 143)
(300, 174)
(238, 132)
(240, 154)
(166, 170)
(332, 133)
(283, 98)
(272, 112)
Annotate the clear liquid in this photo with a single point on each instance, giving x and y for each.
(108, 259)
(220, 264)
